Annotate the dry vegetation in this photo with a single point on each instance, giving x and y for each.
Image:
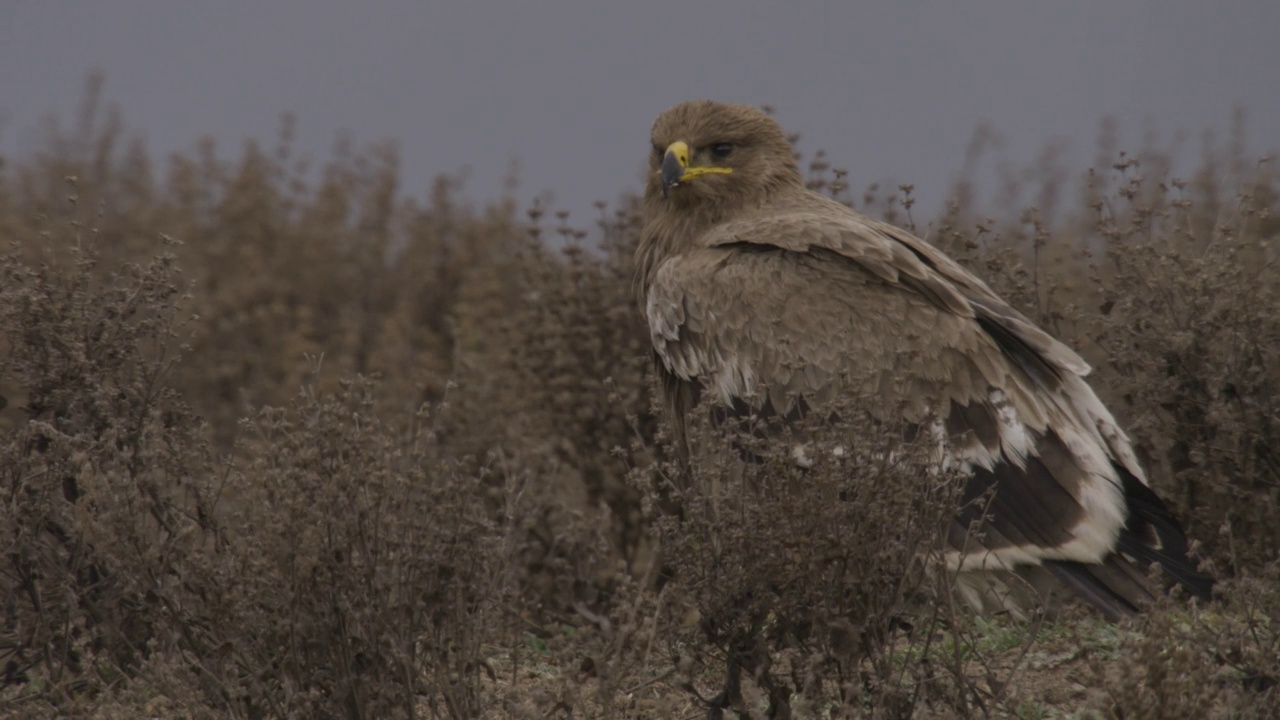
(281, 443)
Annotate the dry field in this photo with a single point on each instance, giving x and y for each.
(280, 442)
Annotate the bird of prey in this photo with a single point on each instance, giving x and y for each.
(764, 296)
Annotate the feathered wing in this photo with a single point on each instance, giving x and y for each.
(796, 305)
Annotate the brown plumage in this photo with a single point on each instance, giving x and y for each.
(758, 291)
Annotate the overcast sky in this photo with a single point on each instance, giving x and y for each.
(891, 89)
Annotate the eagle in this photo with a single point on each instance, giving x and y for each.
(762, 296)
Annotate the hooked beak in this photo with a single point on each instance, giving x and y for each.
(674, 163)
(676, 170)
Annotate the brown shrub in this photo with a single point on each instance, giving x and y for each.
(807, 579)
(282, 443)
(107, 495)
(1218, 662)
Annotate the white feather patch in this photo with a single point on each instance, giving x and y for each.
(1094, 443)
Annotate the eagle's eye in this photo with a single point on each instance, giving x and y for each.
(721, 151)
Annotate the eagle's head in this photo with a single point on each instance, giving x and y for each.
(712, 155)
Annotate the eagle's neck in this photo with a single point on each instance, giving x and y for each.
(666, 232)
(670, 228)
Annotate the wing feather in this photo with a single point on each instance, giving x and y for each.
(815, 301)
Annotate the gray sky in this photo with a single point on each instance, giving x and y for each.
(891, 89)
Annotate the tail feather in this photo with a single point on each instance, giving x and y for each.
(1153, 535)
(1114, 587)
